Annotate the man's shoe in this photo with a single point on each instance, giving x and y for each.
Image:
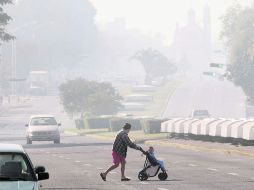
(125, 179)
(102, 177)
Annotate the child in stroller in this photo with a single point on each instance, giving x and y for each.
(152, 166)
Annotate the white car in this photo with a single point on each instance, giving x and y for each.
(43, 128)
(17, 171)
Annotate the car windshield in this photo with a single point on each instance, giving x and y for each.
(15, 166)
(43, 121)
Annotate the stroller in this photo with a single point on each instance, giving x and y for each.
(151, 168)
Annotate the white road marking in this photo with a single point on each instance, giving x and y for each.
(101, 169)
(67, 158)
(162, 188)
(144, 183)
(47, 152)
(60, 156)
(193, 165)
(234, 174)
(212, 169)
(87, 164)
(77, 161)
(113, 172)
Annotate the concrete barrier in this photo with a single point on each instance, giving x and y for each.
(248, 130)
(169, 126)
(196, 127)
(181, 126)
(164, 126)
(178, 126)
(205, 125)
(237, 129)
(211, 129)
(215, 128)
(226, 127)
(188, 125)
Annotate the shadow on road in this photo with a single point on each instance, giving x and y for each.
(164, 180)
(80, 188)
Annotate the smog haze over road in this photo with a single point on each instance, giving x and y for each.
(97, 64)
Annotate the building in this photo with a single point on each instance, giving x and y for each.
(191, 46)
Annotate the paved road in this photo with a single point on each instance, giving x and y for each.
(221, 98)
(78, 160)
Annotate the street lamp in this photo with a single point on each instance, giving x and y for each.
(13, 67)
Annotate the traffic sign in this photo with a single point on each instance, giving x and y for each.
(218, 65)
(209, 73)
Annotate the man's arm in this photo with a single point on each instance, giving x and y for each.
(129, 143)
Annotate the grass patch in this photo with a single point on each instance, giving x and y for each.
(134, 135)
(87, 131)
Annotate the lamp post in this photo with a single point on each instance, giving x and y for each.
(13, 67)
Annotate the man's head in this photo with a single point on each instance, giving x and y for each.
(127, 127)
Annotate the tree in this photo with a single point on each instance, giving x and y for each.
(154, 63)
(81, 95)
(4, 20)
(58, 34)
(238, 30)
(4, 37)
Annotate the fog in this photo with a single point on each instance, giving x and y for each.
(111, 41)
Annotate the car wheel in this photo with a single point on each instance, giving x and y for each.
(28, 141)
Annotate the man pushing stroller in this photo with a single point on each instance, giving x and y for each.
(119, 152)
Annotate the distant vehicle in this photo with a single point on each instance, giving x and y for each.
(38, 82)
(17, 171)
(43, 128)
(200, 114)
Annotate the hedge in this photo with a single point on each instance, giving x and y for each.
(151, 125)
(116, 124)
(96, 122)
(79, 124)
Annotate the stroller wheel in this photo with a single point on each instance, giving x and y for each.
(163, 176)
(142, 176)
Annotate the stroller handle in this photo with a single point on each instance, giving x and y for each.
(141, 150)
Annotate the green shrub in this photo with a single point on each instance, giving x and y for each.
(117, 124)
(96, 122)
(151, 125)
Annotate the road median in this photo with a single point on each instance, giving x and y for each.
(161, 139)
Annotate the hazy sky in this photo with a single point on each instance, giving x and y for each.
(161, 16)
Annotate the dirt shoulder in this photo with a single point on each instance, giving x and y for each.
(200, 146)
